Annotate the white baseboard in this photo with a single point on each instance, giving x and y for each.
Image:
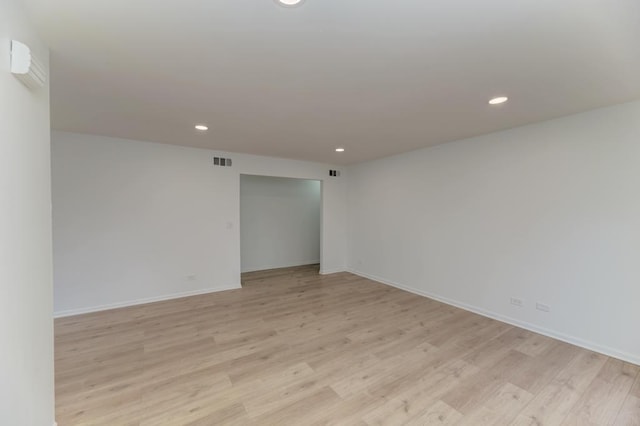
(605, 350)
(80, 311)
(286, 265)
(331, 271)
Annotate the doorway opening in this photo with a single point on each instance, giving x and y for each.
(280, 227)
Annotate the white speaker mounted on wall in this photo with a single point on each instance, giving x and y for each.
(26, 67)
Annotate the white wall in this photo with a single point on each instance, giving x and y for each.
(547, 213)
(132, 221)
(279, 222)
(26, 325)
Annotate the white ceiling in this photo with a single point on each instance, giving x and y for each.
(377, 77)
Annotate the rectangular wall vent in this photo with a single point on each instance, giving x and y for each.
(334, 173)
(224, 162)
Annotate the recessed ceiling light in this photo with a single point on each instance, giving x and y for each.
(498, 100)
(289, 3)
(201, 127)
(339, 149)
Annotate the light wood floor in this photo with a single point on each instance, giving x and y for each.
(293, 347)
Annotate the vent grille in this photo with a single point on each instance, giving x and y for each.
(222, 162)
(334, 173)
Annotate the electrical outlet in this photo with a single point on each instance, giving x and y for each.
(191, 277)
(517, 302)
(542, 307)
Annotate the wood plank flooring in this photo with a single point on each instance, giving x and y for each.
(296, 348)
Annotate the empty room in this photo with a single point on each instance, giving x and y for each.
(319, 212)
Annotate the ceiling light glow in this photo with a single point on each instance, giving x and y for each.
(289, 3)
(339, 149)
(201, 127)
(498, 100)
